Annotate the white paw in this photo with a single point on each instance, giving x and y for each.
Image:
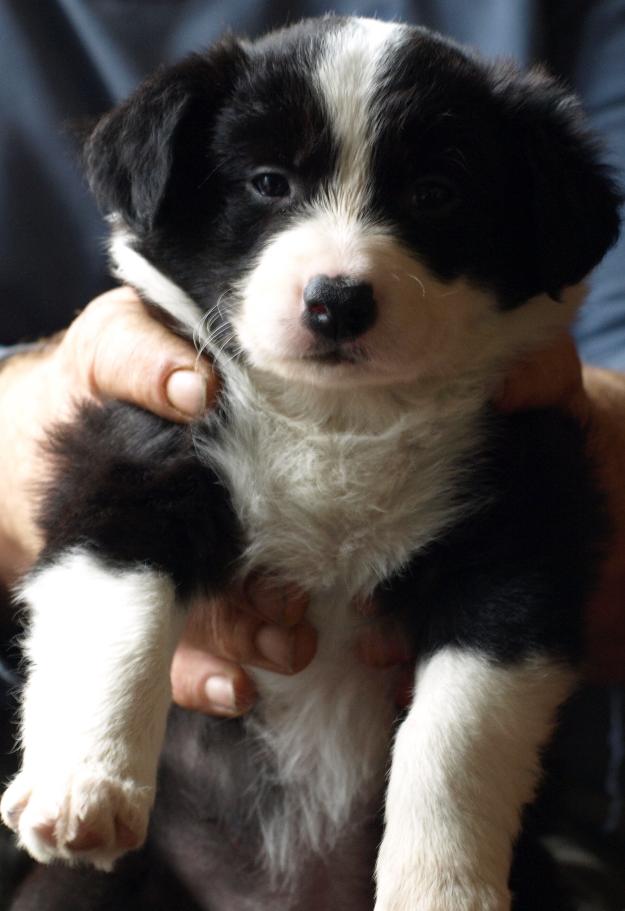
(445, 895)
(86, 817)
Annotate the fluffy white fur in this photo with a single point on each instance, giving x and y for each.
(99, 648)
(347, 77)
(465, 762)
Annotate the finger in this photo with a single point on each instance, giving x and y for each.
(217, 686)
(274, 601)
(551, 377)
(287, 651)
(226, 631)
(204, 683)
(120, 352)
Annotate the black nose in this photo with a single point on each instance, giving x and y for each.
(338, 308)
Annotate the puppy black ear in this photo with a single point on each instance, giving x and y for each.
(570, 198)
(130, 154)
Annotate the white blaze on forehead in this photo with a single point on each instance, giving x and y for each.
(347, 76)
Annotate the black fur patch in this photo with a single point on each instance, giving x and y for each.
(129, 487)
(534, 209)
(512, 579)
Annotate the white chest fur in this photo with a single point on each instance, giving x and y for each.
(331, 499)
(335, 509)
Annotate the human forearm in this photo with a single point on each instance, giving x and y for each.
(605, 390)
(25, 396)
(555, 378)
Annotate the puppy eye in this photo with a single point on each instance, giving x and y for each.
(434, 197)
(271, 184)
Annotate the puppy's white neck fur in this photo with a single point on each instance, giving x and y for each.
(359, 413)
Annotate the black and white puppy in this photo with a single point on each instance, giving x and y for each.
(364, 225)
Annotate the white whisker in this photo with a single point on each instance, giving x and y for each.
(205, 336)
(416, 279)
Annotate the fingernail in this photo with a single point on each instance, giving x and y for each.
(220, 692)
(289, 650)
(186, 392)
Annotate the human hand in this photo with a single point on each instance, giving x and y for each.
(549, 378)
(114, 349)
(262, 625)
(555, 377)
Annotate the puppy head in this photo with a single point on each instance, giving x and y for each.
(354, 202)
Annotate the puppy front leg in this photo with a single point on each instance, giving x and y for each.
(130, 517)
(99, 648)
(465, 762)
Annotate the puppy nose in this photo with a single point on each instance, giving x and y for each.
(338, 308)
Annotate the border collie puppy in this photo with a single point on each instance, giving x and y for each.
(364, 225)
